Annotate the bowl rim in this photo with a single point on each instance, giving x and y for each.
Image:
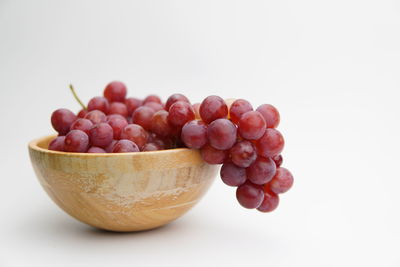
(33, 145)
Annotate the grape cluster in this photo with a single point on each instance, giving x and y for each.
(228, 132)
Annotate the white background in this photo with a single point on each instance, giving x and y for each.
(331, 67)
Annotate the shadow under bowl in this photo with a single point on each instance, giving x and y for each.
(122, 191)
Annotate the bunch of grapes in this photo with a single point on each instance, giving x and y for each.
(227, 132)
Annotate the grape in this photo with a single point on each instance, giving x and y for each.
(136, 134)
(118, 108)
(76, 141)
(180, 113)
(57, 144)
(270, 202)
(270, 144)
(261, 171)
(101, 134)
(175, 98)
(221, 134)
(115, 92)
(142, 116)
(270, 114)
(194, 134)
(98, 103)
(155, 106)
(82, 124)
(196, 108)
(132, 104)
(278, 160)
(82, 113)
(110, 147)
(243, 154)
(61, 119)
(238, 108)
(151, 147)
(251, 125)
(95, 149)
(160, 124)
(282, 181)
(125, 146)
(250, 195)
(152, 98)
(212, 155)
(233, 175)
(96, 116)
(117, 122)
(212, 108)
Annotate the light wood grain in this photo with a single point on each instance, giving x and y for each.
(124, 191)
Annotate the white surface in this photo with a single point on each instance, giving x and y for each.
(331, 67)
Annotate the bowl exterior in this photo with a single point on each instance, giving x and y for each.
(123, 192)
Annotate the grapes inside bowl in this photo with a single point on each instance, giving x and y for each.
(127, 164)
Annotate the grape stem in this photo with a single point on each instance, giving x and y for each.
(76, 97)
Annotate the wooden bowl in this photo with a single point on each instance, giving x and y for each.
(122, 191)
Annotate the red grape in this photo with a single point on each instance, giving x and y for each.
(115, 92)
(155, 106)
(196, 108)
(96, 116)
(278, 160)
(110, 147)
(261, 171)
(238, 108)
(160, 124)
(270, 202)
(151, 147)
(180, 113)
(152, 98)
(117, 122)
(132, 104)
(243, 154)
(233, 175)
(82, 113)
(125, 146)
(175, 98)
(270, 144)
(57, 144)
(61, 119)
(221, 134)
(82, 124)
(282, 181)
(118, 108)
(95, 149)
(136, 134)
(270, 114)
(250, 195)
(76, 141)
(101, 134)
(142, 116)
(212, 108)
(251, 125)
(212, 155)
(194, 134)
(98, 103)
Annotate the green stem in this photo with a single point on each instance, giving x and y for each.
(76, 97)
